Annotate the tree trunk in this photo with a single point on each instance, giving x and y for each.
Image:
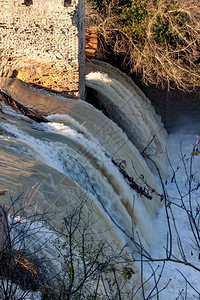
(30, 113)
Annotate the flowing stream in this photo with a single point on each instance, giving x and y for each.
(73, 154)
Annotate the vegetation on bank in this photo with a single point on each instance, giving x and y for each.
(157, 38)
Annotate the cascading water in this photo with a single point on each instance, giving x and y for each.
(126, 105)
(73, 154)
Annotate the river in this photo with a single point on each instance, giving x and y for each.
(73, 155)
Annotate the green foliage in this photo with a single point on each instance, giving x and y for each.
(127, 273)
(134, 18)
(163, 34)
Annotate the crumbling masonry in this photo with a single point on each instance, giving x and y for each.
(43, 43)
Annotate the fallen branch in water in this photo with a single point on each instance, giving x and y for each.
(3, 192)
(140, 190)
(21, 108)
(6, 133)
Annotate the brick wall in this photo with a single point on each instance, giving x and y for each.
(42, 42)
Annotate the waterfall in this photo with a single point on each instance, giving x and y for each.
(73, 154)
(130, 109)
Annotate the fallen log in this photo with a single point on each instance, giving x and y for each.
(30, 113)
(140, 190)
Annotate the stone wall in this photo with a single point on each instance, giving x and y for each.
(42, 42)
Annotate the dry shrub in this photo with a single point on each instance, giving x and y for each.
(158, 38)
